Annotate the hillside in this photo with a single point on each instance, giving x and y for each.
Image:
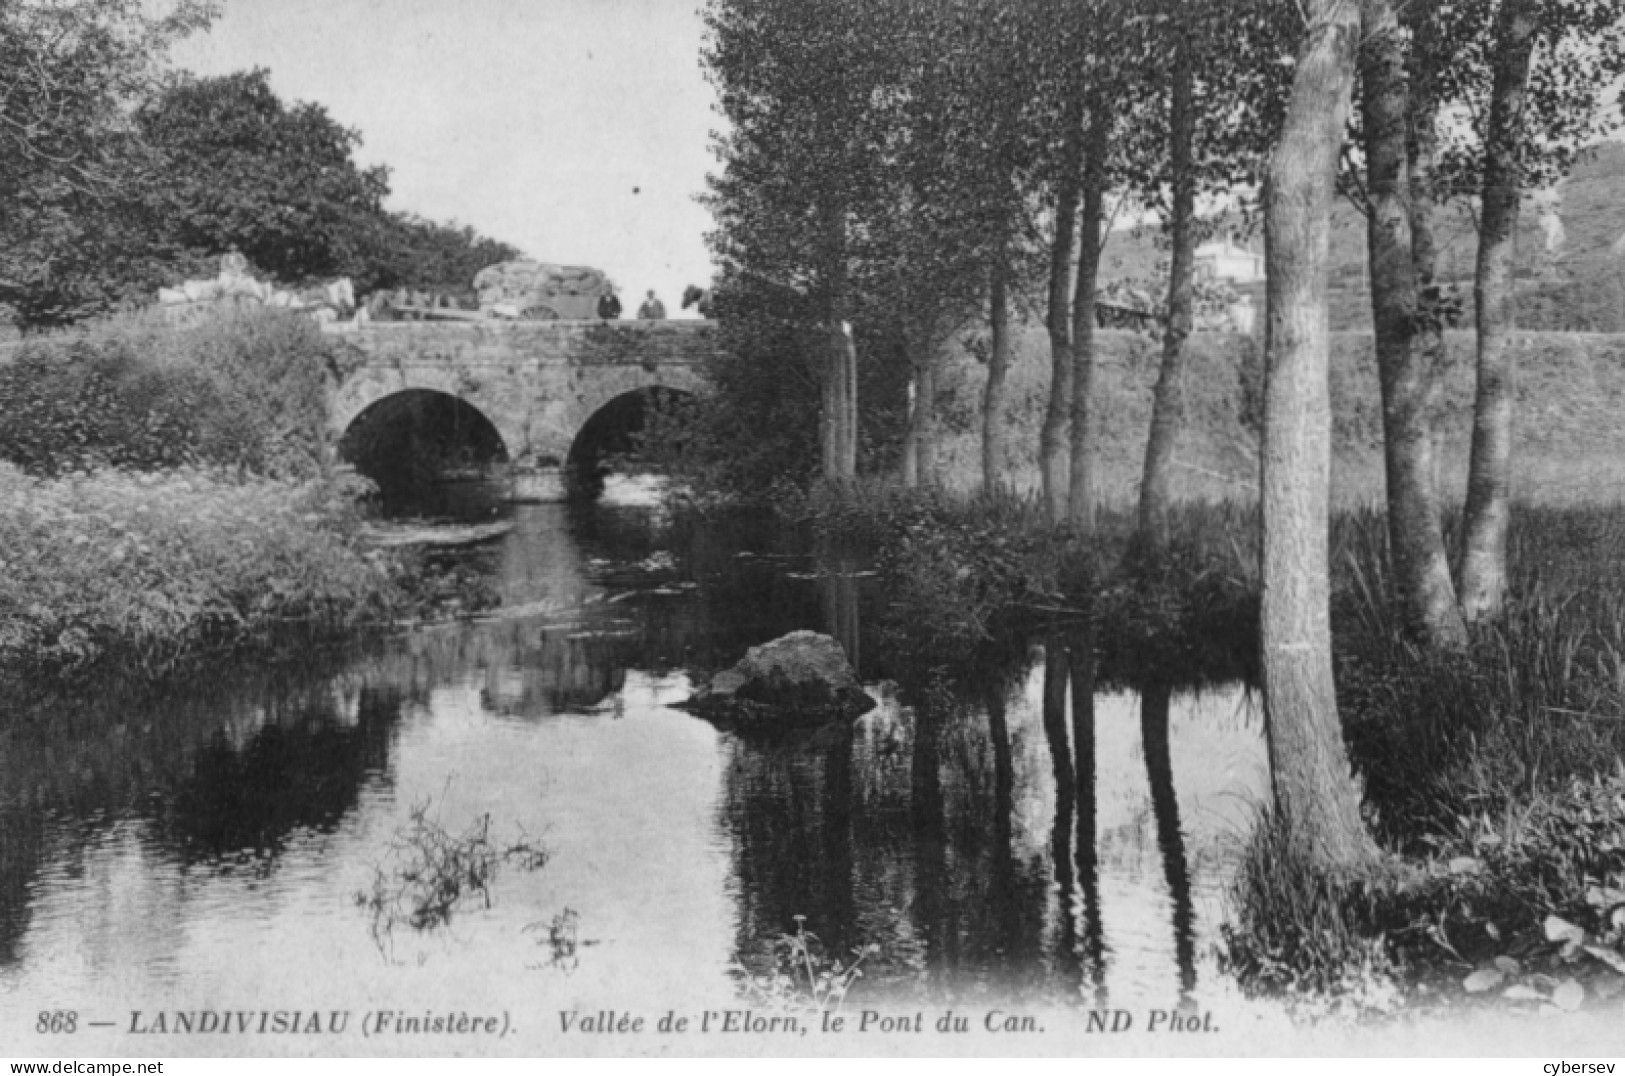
(1570, 442)
(1571, 279)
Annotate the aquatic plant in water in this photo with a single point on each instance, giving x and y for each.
(428, 873)
(804, 976)
(564, 940)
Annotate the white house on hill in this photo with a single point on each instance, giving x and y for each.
(1225, 260)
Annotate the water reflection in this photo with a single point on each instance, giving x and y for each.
(1020, 825)
(1154, 703)
(242, 799)
(1090, 941)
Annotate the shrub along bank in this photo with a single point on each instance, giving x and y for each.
(239, 388)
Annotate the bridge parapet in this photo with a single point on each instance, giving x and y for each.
(487, 342)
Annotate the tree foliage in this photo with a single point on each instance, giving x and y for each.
(243, 169)
(70, 73)
(121, 178)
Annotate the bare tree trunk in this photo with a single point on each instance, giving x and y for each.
(1052, 438)
(910, 467)
(840, 426)
(1168, 400)
(1489, 470)
(1082, 495)
(911, 431)
(1422, 148)
(1316, 795)
(1427, 597)
(998, 367)
(925, 418)
(839, 440)
(829, 418)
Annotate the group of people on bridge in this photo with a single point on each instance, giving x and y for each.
(609, 307)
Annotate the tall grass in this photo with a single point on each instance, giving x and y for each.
(1539, 697)
(1303, 933)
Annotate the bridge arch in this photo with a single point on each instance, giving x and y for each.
(612, 431)
(407, 439)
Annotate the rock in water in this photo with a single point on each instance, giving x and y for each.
(801, 678)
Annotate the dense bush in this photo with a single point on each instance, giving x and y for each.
(240, 389)
(145, 570)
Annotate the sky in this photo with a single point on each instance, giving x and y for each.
(576, 130)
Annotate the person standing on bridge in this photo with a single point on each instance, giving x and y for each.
(652, 309)
(609, 306)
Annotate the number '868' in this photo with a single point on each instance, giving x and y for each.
(58, 1022)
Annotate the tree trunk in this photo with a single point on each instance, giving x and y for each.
(1082, 495)
(911, 431)
(1317, 797)
(1489, 470)
(925, 419)
(1427, 597)
(840, 388)
(829, 419)
(1168, 400)
(910, 466)
(841, 405)
(1422, 149)
(1052, 439)
(998, 366)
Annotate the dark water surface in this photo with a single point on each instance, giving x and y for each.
(206, 849)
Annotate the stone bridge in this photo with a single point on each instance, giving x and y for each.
(537, 383)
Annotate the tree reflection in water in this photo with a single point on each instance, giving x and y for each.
(1154, 703)
(1092, 943)
(221, 777)
(1057, 676)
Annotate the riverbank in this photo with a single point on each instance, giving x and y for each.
(146, 572)
(1491, 777)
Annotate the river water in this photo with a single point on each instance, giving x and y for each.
(215, 847)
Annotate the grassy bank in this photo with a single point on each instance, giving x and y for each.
(1569, 443)
(145, 571)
